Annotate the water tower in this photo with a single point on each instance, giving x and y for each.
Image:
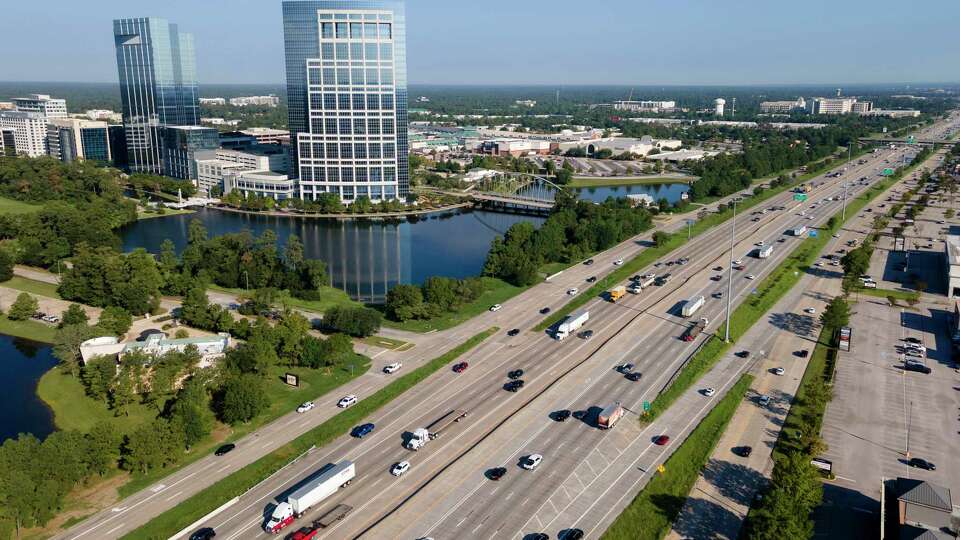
(718, 106)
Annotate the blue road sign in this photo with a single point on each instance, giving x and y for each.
(813, 234)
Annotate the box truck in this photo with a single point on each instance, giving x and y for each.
(609, 416)
(571, 324)
(617, 293)
(692, 305)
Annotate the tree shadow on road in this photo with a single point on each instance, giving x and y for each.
(733, 480)
(700, 518)
(801, 325)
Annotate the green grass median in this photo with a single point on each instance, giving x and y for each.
(237, 483)
(651, 513)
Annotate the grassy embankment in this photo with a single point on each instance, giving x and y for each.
(652, 512)
(218, 493)
(12, 206)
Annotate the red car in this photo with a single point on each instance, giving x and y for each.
(662, 440)
(306, 533)
(460, 368)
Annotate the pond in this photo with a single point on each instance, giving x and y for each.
(22, 363)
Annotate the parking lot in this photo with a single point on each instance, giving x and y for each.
(881, 414)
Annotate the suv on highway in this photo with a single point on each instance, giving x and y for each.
(513, 386)
(561, 415)
(347, 401)
(460, 368)
(515, 374)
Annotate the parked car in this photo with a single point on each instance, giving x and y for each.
(460, 368)
(921, 463)
(515, 374)
(347, 401)
(778, 371)
(763, 400)
(400, 468)
(914, 366)
(803, 353)
(571, 534)
(743, 451)
(305, 406)
(225, 449)
(810, 310)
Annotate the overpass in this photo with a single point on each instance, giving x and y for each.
(906, 140)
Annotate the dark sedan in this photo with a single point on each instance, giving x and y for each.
(497, 473)
(561, 415)
(225, 449)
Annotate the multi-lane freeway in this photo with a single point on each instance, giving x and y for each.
(641, 329)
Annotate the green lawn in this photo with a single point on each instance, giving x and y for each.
(907, 296)
(32, 286)
(74, 409)
(652, 512)
(216, 494)
(34, 330)
(150, 214)
(590, 181)
(329, 297)
(11, 206)
(496, 291)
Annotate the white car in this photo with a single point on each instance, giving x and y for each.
(737, 262)
(392, 368)
(709, 392)
(347, 401)
(818, 264)
(531, 462)
(305, 406)
(759, 244)
(573, 291)
(836, 236)
(751, 276)
(779, 371)
(495, 307)
(618, 262)
(399, 468)
(810, 310)
(914, 352)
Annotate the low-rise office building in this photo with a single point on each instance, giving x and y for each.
(645, 106)
(924, 509)
(30, 131)
(515, 147)
(43, 104)
(213, 101)
(268, 101)
(268, 135)
(622, 145)
(952, 248)
(72, 139)
(277, 186)
(213, 167)
(831, 105)
(783, 106)
(209, 347)
(180, 147)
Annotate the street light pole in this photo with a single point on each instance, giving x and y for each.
(843, 212)
(733, 234)
(689, 224)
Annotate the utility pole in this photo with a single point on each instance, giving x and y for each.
(843, 211)
(733, 234)
(909, 422)
(689, 225)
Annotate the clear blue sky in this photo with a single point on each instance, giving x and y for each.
(530, 41)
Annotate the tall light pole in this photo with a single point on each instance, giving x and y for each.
(733, 235)
(689, 224)
(843, 212)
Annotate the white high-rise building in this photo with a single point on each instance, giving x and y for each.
(30, 131)
(718, 105)
(43, 104)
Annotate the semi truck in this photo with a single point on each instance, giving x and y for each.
(571, 324)
(695, 330)
(692, 305)
(310, 494)
(617, 293)
(609, 416)
(764, 252)
(647, 280)
(798, 231)
(422, 436)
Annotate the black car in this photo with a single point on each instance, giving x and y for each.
(537, 536)
(914, 366)
(544, 311)
(586, 334)
(718, 269)
(515, 374)
(205, 533)
(635, 278)
(588, 262)
(571, 534)
(913, 340)
(921, 463)
(744, 354)
(513, 386)
(591, 279)
(634, 376)
(224, 449)
(625, 368)
(497, 473)
(513, 332)
(561, 415)
(743, 451)
(804, 353)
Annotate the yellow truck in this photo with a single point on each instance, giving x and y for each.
(617, 293)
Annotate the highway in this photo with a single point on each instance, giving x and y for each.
(657, 351)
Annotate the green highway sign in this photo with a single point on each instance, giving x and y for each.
(888, 171)
(646, 406)
(800, 197)
(911, 140)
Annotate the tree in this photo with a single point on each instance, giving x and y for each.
(104, 448)
(856, 262)
(660, 238)
(243, 399)
(192, 412)
(404, 302)
(355, 321)
(6, 265)
(123, 392)
(837, 313)
(74, 314)
(97, 376)
(115, 320)
(24, 307)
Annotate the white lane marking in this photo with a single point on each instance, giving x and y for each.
(114, 529)
(173, 496)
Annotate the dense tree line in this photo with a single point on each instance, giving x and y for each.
(436, 296)
(574, 230)
(154, 184)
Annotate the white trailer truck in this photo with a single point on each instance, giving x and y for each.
(764, 252)
(310, 494)
(571, 324)
(692, 305)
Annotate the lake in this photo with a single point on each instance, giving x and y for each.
(366, 258)
(22, 363)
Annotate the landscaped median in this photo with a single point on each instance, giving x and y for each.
(651, 513)
(239, 482)
(768, 293)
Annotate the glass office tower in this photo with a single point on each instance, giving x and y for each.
(158, 86)
(347, 97)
